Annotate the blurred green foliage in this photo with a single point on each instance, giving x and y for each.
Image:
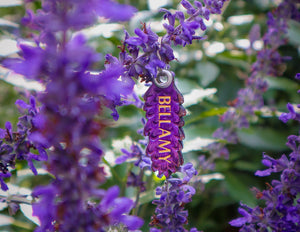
(215, 203)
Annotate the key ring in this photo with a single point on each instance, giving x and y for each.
(164, 79)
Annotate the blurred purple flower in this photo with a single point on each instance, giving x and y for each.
(68, 119)
(268, 62)
(114, 10)
(136, 154)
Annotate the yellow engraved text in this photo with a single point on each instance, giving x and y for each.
(164, 133)
(162, 146)
(165, 158)
(164, 117)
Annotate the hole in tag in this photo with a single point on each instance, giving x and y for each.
(163, 79)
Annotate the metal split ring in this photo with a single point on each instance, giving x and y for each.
(164, 79)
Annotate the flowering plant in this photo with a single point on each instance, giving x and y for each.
(113, 147)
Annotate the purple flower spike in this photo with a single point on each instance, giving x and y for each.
(164, 128)
(281, 207)
(170, 214)
(115, 11)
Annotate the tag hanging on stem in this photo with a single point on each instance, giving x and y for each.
(164, 111)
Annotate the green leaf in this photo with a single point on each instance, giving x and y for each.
(282, 83)
(5, 220)
(19, 80)
(246, 166)
(146, 197)
(156, 5)
(197, 95)
(238, 186)
(232, 61)
(262, 138)
(209, 113)
(185, 85)
(141, 16)
(7, 23)
(27, 211)
(196, 144)
(294, 32)
(208, 72)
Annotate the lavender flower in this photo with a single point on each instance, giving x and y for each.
(18, 145)
(185, 32)
(170, 214)
(250, 99)
(67, 121)
(285, 117)
(147, 52)
(57, 16)
(281, 199)
(138, 156)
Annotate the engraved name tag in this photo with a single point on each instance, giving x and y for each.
(164, 128)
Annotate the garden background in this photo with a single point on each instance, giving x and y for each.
(210, 74)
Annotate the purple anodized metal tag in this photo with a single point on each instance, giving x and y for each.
(164, 111)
